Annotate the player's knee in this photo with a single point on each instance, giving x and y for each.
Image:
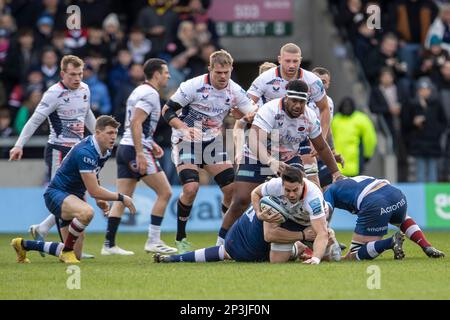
(190, 190)
(225, 178)
(165, 195)
(86, 214)
(240, 201)
(188, 175)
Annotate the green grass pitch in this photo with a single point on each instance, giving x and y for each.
(137, 277)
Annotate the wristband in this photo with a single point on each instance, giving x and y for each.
(315, 260)
(120, 197)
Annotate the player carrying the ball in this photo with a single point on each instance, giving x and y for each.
(263, 235)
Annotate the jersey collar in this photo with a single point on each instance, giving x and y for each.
(278, 72)
(97, 148)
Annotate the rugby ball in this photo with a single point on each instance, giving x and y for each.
(275, 205)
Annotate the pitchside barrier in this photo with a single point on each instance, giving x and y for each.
(429, 205)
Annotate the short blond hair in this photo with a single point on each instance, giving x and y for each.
(266, 66)
(221, 57)
(73, 60)
(290, 48)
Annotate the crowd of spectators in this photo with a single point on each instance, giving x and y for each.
(115, 38)
(406, 61)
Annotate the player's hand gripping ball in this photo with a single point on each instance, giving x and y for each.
(274, 205)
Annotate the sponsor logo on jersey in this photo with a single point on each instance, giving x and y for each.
(316, 207)
(89, 161)
(66, 100)
(301, 129)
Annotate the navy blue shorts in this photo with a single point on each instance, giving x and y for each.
(304, 147)
(126, 163)
(238, 249)
(249, 171)
(54, 155)
(202, 154)
(378, 209)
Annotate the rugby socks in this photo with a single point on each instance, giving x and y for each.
(412, 231)
(221, 237)
(111, 231)
(183, 212)
(154, 229)
(75, 230)
(45, 226)
(53, 248)
(210, 254)
(373, 249)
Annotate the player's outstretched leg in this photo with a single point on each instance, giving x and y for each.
(373, 249)
(210, 254)
(413, 232)
(40, 231)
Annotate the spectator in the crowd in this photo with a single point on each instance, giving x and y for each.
(159, 22)
(76, 38)
(43, 35)
(442, 79)
(113, 36)
(8, 22)
(4, 7)
(5, 130)
(119, 72)
(351, 15)
(365, 40)
(20, 58)
(58, 43)
(139, 46)
(204, 26)
(4, 45)
(441, 28)
(198, 64)
(177, 69)
(424, 126)
(385, 56)
(100, 100)
(354, 137)
(35, 79)
(50, 67)
(55, 9)
(386, 100)
(410, 20)
(31, 101)
(186, 40)
(433, 58)
(135, 78)
(94, 45)
(93, 12)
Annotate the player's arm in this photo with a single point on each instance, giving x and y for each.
(169, 113)
(99, 193)
(325, 116)
(320, 243)
(324, 151)
(254, 98)
(138, 118)
(258, 145)
(89, 121)
(274, 233)
(238, 139)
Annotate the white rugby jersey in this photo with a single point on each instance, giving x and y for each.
(146, 98)
(316, 109)
(270, 85)
(66, 111)
(290, 132)
(206, 107)
(310, 206)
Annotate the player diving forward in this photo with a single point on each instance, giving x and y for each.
(376, 203)
(258, 235)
